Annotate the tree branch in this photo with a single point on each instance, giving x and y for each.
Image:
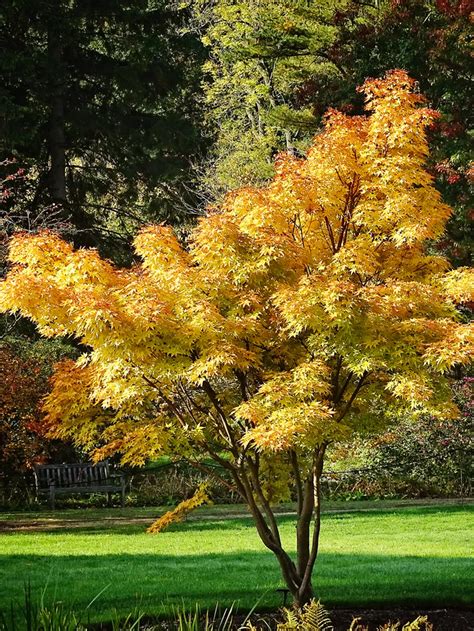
(355, 392)
(254, 471)
(316, 477)
(208, 389)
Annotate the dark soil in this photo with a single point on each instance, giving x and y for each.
(372, 619)
(365, 620)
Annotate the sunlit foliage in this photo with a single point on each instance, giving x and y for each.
(179, 513)
(300, 312)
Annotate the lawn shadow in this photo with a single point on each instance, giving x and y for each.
(156, 582)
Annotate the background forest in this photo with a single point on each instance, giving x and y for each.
(121, 113)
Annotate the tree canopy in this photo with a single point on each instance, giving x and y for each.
(275, 67)
(263, 55)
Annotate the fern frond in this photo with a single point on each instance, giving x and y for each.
(315, 617)
(420, 624)
(292, 620)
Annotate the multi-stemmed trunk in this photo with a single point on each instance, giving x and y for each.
(296, 574)
(244, 466)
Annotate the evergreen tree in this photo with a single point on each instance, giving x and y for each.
(276, 66)
(264, 57)
(98, 106)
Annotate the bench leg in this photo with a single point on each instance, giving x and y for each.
(108, 498)
(52, 497)
(123, 493)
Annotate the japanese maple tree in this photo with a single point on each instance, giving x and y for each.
(299, 313)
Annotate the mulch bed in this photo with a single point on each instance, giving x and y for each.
(373, 619)
(367, 620)
(441, 619)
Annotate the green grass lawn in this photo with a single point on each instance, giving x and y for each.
(404, 556)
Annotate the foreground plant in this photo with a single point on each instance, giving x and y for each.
(302, 312)
(313, 616)
(419, 624)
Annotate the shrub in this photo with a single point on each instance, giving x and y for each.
(168, 484)
(25, 367)
(422, 457)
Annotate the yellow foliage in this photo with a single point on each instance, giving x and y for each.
(181, 511)
(297, 311)
(459, 285)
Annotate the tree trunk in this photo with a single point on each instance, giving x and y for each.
(305, 592)
(297, 576)
(56, 134)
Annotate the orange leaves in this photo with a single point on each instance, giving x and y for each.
(26, 292)
(333, 167)
(69, 406)
(63, 291)
(160, 250)
(414, 388)
(290, 409)
(358, 256)
(317, 302)
(218, 246)
(84, 267)
(404, 300)
(299, 427)
(455, 347)
(45, 249)
(136, 442)
(398, 197)
(221, 359)
(399, 83)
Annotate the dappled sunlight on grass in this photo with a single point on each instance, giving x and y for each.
(409, 556)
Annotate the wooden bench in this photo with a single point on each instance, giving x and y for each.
(80, 478)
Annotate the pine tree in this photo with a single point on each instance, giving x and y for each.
(98, 107)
